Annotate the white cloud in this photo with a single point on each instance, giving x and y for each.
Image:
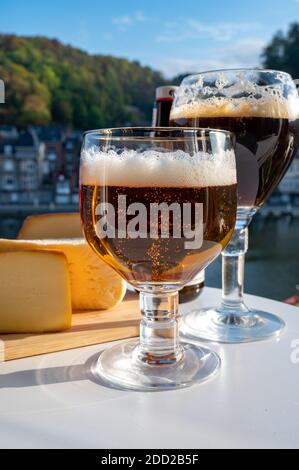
(123, 20)
(185, 30)
(139, 16)
(244, 53)
(107, 36)
(174, 66)
(126, 21)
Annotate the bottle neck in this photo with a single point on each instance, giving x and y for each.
(162, 113)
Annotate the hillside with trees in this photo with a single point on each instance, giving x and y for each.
(49, 83)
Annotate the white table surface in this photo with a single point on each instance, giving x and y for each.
(49, 401)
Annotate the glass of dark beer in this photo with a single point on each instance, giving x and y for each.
(261, 108)
(154, 209)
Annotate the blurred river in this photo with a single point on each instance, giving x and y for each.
(272, 261)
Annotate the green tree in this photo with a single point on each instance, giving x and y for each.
(35, 110)
(282, 53)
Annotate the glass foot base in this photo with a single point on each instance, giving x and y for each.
(120, 367)
(228, 327)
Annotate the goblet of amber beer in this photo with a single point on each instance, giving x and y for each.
(158, 205)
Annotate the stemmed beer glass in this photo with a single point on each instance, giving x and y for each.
(261, 108)
(158, 205)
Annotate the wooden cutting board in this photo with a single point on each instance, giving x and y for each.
(88, 328)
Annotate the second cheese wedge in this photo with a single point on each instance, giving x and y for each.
(34, 292)
(56, 225)
(94, 284)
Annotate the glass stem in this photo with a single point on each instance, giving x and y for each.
(159, 329)
(233, 257)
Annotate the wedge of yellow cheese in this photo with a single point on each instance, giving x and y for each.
(94, 284)
(34, 292)
(57, 225)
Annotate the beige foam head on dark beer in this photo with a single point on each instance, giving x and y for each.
(152, 168)
(195, 99)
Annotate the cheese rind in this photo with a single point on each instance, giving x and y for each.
(51, 226)
(34, 292)
(94, 284)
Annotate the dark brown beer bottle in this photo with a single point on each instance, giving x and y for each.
(162, 105)
(161, 113)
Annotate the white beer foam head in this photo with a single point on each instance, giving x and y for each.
(241, 107)
(152, 168)
(197, 97)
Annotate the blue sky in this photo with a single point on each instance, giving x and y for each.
(172, 36)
